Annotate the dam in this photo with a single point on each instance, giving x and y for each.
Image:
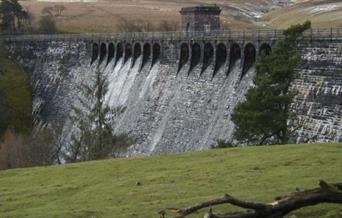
(176, 90)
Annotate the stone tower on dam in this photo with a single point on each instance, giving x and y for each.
(176, 91)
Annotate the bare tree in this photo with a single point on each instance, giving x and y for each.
(11, 151)
(44, 147)
(47, 23)
(53, 11)
(59, 9)
(48, 11)
(41, 148)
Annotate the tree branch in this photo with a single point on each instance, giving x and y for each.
(227, 199)
(326, 193)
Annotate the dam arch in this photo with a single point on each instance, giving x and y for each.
(234, 56)
(195, 56)
(111, 52)
(221, 57)
(156, 53)
(95, 52)
(128, 52)
(103, 52)
(146, 54)
(249, 58)
(136, 53)
(119, 53)
(265, 49)
(184, 55)
(208, 55)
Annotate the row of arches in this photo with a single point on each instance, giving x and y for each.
(220, 53)
(108, 52)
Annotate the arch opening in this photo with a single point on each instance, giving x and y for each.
(184, 56)
(95, 51)
(195, 55)
(249, 59)
(156, 53)
(146, 54)
(234, 56)
(221, 56)
(119, 52)
(111, 52)
(265, 50)
(137, 53)
(128, 52)
(103, 52)
(208, 56)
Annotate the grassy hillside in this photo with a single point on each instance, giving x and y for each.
(322, 13)
(108, 188)
(104, 15)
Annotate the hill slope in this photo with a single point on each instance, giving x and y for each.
(108, 188)
(322, 13)
(104, 16)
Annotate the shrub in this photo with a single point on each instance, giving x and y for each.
(223, 144)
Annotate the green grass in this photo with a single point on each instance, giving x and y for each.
(108, 188)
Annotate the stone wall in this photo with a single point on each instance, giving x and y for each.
(318, 103)
(55, 68)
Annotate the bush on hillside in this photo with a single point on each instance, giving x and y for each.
(223, 144)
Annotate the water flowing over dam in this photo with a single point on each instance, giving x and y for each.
(178, 95)
(170, 108)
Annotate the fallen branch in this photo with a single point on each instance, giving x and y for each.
(326, 193)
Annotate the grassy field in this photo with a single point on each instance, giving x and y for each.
(108, 188)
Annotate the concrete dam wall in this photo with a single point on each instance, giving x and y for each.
(179, 95)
